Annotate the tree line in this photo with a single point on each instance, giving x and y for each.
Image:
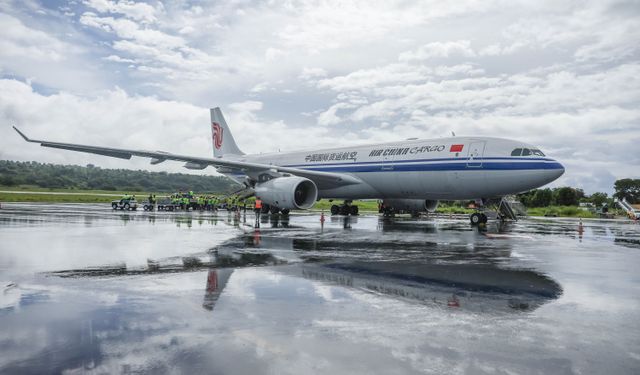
(34, 174)
(627, 188)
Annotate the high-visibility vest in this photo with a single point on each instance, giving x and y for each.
(258, 203)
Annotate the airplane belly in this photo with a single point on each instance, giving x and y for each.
(469, 184)
(512, 182)
(359, 191)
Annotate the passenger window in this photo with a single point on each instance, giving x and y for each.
(526, 152)
(516, 152)
(537, 152)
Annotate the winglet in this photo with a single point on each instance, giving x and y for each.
(22, 135)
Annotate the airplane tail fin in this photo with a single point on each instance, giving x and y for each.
(223, 142)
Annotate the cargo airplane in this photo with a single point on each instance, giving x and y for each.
(410, 175)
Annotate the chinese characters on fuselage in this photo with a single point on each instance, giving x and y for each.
(349, 155)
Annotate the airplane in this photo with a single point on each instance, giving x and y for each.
(406, 175)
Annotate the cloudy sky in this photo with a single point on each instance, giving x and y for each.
(288, 75)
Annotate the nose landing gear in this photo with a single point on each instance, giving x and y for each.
(478, 218)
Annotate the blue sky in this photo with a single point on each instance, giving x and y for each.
(303, 74)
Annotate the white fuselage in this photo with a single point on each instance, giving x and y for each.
(440, 169)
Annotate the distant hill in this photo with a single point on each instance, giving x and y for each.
(14, 173)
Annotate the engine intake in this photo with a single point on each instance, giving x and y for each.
(411, 205)
(288, 192)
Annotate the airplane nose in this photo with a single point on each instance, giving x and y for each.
(556, 170)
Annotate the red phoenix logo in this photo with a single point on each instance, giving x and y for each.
(217, 135)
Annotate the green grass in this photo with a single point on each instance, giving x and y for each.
(453, 209)
(563, 211)
(325, 205)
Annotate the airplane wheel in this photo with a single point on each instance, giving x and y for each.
(483, 218)
(475, 219)
(335, 210)
(274, 210)
(265, 209)
(344, 210)
(354, 210)
(285, 211)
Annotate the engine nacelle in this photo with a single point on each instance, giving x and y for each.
(288, 192)
(411, 205)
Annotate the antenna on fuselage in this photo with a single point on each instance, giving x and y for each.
(453, 134)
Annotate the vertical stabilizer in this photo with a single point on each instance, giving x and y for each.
(223, 142)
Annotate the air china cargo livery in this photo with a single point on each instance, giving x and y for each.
(410, 175)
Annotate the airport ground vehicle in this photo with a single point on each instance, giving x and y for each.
(124, 204)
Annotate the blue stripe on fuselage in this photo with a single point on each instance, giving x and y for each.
(418, 161)
(393, 167)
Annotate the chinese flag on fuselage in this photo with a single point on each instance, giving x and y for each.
(456, 148)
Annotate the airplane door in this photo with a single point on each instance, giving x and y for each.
(476, 152)
(387, 164)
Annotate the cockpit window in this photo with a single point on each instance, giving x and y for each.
(526, 152)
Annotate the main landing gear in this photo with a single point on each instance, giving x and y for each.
(273, 210)
(344, 209)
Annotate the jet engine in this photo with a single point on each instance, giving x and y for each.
(288, 192)
(411, 205)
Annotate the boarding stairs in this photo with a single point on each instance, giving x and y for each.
(510, 208)
(632, 211)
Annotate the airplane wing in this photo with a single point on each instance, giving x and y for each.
(323, 180)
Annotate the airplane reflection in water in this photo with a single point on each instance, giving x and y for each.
(439, 274)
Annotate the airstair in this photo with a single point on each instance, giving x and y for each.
(632, 211)
(510, 208)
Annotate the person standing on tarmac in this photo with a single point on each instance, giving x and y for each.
(257, 208)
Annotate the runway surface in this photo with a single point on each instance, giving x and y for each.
(89, 290)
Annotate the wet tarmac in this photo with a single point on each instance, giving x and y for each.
(90, 290)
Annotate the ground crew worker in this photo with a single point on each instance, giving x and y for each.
(125, 197)
(214, 203)
(258, 208)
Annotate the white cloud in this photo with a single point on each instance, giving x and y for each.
(439, 49)
(138, 11)
(330, 117)
(20, 41)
